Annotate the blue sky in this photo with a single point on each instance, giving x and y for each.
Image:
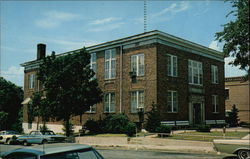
(67, 25)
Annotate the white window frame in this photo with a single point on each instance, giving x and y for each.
(93, 63)
(92, 109)
(31, 81)
(172, 65)
(191, 70)
(139, 103)
(110, 73)
(172, 102)
(214, 74)
(109, 103)
(139, 67)
(215, 103)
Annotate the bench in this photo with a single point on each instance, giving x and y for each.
(168, 123)
(182, 123)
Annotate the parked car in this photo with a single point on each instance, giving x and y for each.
(54, 151)
(40, 137)
(241, 147)
(8, 136)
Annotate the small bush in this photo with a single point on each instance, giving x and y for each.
(115, 123)
(163, 129)
(130, 129)
(244, 124)
(203, 128)
(92, 126)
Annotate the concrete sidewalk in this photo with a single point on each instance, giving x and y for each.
(147, 143)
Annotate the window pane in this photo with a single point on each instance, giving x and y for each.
(134, 63)
(133, 102)
(169, 65)
(113, 53)
(141, 65)
(174, 66)
(107, 54)
(169, 102)
(141, 99)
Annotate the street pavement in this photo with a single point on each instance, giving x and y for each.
(140, 154)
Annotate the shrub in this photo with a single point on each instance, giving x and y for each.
(203, 128)
(92, 126)
(115, 123)
(130, 129)
(153, 119)
(163, 129)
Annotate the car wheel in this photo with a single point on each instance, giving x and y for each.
(8, 141)
(244, 154)
(44, 142)
(25, 143)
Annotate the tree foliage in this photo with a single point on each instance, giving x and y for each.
(69, 85)
(236, 35)
(153, 119)
(233, 119)
(39, 107)
(10, 104)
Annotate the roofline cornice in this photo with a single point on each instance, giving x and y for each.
(155, 34)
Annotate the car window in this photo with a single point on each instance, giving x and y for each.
(89, 154)
(33, 133)
(20, 156)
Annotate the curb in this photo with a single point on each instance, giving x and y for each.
(152, 148)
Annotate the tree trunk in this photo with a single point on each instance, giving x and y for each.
(67, 126)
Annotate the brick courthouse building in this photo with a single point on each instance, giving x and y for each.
(184, 79)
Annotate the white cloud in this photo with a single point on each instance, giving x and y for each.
(53, 19)
(14, 74)
(173, 9)
(232, 71)
(104, 21)
(215, 45)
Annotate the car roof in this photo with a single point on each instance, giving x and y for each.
(49, 149)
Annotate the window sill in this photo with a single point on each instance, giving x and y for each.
(172, 112)
(215, 112)
(108, 112)
(201, 85)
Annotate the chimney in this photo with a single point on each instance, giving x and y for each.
(41, 51)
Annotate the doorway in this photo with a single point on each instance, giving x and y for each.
(197, 114)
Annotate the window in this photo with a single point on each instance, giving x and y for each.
(214, 73)
(195, 75)
(31, 81)
(109, 103)
(172, 65)
(137, 64)
(92, 109)
(226, 93)
(110, 63)
(215, 103)
(137, 100)
(93, 63)
(172, 102)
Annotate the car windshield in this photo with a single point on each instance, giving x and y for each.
(86, 154)
(20, 156)
(48, 133)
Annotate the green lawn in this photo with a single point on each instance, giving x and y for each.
(202, 136)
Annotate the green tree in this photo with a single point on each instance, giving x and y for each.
(236, 35)
(10, 104)
(40, 108)
(153, 119)
(233, 118)
(69, 85)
